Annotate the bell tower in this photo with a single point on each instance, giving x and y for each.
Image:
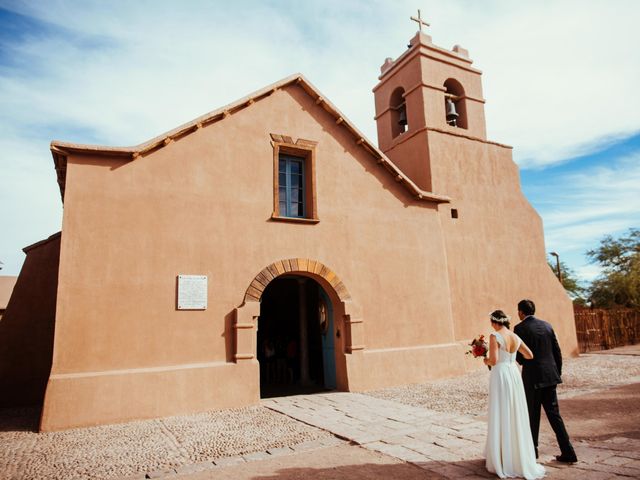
(427, 91)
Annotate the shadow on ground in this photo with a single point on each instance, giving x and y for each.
(611, 413)
(363, 471)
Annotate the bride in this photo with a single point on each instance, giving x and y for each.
(509, 450)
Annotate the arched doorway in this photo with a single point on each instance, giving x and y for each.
(295, 338)
(346, 321)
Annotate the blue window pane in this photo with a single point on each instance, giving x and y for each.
(291, 186)
(296, 181)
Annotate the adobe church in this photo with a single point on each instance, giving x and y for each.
(269, 248)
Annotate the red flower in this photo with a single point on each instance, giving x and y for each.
(479, 347)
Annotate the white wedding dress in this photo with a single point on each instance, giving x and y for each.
(509, 450)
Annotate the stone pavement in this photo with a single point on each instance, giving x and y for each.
(407, 442)
(346, 461)
(444, 445)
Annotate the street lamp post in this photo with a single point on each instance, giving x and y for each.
(559, 272)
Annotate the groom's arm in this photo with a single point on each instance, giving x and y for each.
(557, 353)
(519, 331)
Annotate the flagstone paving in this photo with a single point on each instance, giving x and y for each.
(445, 445)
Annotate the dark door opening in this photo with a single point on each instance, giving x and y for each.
(295, 338)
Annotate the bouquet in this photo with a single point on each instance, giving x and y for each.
(479, 348)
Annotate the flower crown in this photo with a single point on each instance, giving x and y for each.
(501, 320)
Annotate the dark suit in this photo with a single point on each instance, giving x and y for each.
(540, 377)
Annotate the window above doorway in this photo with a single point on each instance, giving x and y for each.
(294, 195)
(291, 186)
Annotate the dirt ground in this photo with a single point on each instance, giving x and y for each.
(614, 412)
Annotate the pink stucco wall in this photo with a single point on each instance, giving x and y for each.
(202, 205)
(420, 282)
(495, 248)
(26, 328)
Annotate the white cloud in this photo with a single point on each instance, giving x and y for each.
(586, 206)
(559, 77)
(588, 272)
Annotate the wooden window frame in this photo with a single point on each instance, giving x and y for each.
(288, 161)
(305, 150)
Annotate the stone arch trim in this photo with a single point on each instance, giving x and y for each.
(247, 314)
(294, 265)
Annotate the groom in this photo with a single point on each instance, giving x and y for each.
(541, 375)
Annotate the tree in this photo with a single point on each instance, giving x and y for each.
(569, 281)
(619, 283)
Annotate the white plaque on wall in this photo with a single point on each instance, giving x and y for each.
(192, 292)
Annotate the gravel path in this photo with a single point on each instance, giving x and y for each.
(139, 447)
(467, 395)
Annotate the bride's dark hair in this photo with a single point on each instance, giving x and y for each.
(499, 317)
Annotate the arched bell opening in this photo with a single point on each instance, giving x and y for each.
(398, 109)
(296, 345)
(455, 104)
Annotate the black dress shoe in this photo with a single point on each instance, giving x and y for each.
(566, 459)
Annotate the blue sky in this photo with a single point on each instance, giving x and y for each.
(585, 198)
(560, 80)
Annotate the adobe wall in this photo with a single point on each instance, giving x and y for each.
(202, 205)
(422, 72)
(26, 329)
(7, 282)
(495, 248)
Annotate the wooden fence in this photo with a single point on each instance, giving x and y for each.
(601, 329)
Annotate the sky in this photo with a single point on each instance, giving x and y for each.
(560, 79)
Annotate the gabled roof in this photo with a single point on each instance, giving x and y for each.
(60, 150)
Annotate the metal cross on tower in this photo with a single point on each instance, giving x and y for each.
(420, 21)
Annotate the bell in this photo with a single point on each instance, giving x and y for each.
(452, 115)
(402, 116)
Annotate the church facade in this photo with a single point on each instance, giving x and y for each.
(268, 246)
